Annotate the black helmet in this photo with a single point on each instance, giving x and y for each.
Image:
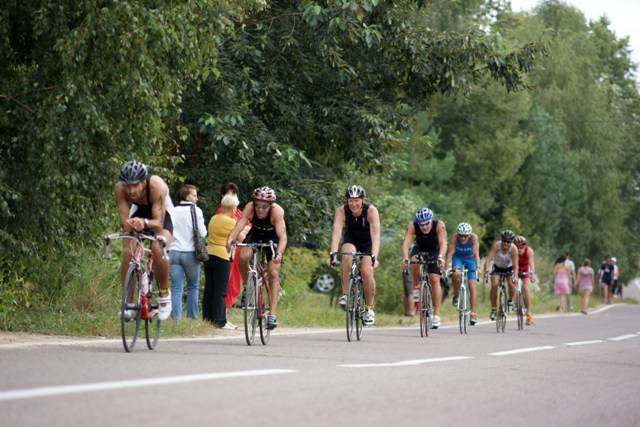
(354, 192)
(508, 236)
(133, 172)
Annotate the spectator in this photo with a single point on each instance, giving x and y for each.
(561, 281)
(217, 268)
(585, 284)
(616, 274)
(182, 254)
(572, 277)
(606, 280)
(235, 280)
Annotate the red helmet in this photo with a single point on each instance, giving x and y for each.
(265, 194)
(520, 241)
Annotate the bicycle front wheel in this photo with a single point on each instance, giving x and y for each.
(250, 310)
(520, 310)
(350, 314)
(501, 318)
(130, 308)
(463, 310)
(152, 322)
(263, 309)
(425, 310)
(359, 310)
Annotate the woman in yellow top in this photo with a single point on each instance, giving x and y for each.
(217, 268)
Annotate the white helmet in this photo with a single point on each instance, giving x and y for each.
(464, 229)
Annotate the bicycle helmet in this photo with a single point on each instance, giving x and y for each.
(133, 172)
(464, 229)
(508, 236)
(354, 192)
(265, 194)
(520, 241)
(423, 215)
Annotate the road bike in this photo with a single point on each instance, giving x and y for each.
(139, 301)
(255, 303)
(424, 304)
(463, 305)
(501, 314)
(355, 296)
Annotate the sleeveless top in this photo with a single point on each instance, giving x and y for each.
(503, 260)
(464, 250)
(262, 229)
(523, 260)
(427, 242)
(357, 228)
(144, 211)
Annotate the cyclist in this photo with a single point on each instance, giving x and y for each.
(526, 270)
(463, 252)
(504, 256)
(267, 224)
(430, 236)
(362, 234)
(144, 205)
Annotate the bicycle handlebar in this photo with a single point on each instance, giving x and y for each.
(138, 237)
(259, 245)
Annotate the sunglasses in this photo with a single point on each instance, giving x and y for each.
(424, 224)
(508, 242)
(262, 206)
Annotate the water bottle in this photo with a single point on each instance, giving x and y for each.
(144, 284)
(416, 294)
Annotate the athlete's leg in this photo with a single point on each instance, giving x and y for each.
(366, 271)
(273, 285)
(345, 267)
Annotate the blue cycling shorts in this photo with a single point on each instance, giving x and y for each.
(457, 262)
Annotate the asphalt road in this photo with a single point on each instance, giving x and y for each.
(565, 370)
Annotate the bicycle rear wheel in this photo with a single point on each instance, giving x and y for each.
(263, 308)
(520, 310)
(250, 310)
(359, 310)
(130, 308)
(152, 323)
(350, 315)
(425, 310)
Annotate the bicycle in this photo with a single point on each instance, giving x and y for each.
(139, 302)
(256, 293)
(354, 317)
(520, 307)
(463, 306)
(424, 304)
(501, 314)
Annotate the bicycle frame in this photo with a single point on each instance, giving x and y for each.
(501, 315)
(355, 296)
(424, 306)
(464, 311)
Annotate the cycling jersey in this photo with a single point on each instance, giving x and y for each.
(504, 260)
(262, 231)
(463, 257)
(429, 244)
(144, 211)
(358, 229)
(523, 263)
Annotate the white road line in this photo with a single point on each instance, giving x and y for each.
(583, 342)
(521, 350)
(404, 362)
(82, 388)
(622, 337)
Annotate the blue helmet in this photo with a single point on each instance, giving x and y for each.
(423, 215)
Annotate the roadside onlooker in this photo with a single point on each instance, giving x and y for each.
(585, 284)
(182, 253)
(616, 274)
(572, 277)
(218, 267)
(561, 281)
(606, 280)
(235, 281)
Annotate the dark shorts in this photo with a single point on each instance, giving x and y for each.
(432, 260)
(262, 238)
(166, 225)
(502, 271)
(360, 246)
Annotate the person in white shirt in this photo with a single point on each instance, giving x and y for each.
(182, 254)
(572, 277)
